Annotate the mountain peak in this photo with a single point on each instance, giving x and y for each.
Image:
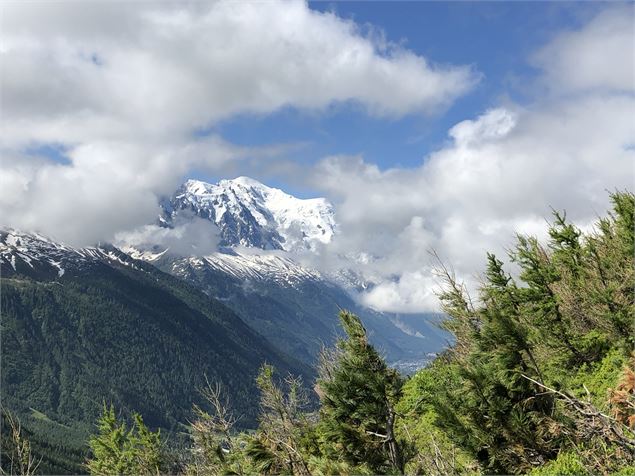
(195, 185)
(249, 213)
(247, 182)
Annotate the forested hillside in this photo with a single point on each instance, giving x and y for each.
(131, 336)
(299, 318)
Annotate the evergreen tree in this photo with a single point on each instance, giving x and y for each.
(119, 450)
(541, 275)
(527, 352)
(609, 271)
(497, 414)
(358, 392)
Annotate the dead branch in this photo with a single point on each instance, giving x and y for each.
(598, 422)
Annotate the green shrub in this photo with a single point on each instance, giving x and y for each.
(567, 463)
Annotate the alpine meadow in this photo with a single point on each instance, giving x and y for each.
(317, 238)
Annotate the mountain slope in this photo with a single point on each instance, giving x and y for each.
(111, 328)
(296, 308)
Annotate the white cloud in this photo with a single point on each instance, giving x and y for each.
(492, 125)
(189, 235)
(414, 292)
(500, 174)
(472, 197)
(125, 86)
(600, 56)
(130, 70)
(110, 186)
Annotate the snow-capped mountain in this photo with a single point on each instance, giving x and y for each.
(236, 263)
(251, 214)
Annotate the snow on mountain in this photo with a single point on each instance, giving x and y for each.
(251, 214)
(268, 267)
(264, 266)
(34, 254)
(257, 225)
(261, 229)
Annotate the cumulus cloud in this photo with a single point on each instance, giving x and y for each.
(499, 174)
(125, 87)
(167, 67)
(597, 57)
(474, 195)
(109, 186)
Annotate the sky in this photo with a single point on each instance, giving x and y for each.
(429, 125)
(496, 38)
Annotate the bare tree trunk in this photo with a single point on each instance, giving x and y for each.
(21, 458)
(394, 451)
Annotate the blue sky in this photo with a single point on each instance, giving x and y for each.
(496, 38)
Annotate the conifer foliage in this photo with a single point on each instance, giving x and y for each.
(352, 433)
(537, 356)
(117, 449)
(358, 392)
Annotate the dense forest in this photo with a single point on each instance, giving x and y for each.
(540, 380)
(131, 336)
